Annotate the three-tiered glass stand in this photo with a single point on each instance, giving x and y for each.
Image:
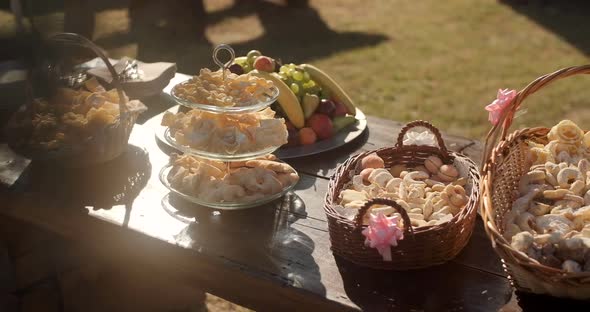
(229, 155)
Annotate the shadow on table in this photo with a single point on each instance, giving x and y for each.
(447, 287)
(117, 182)
(261, 238)
(567, 19)
(532, 302)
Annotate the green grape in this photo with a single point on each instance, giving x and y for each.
(289, 80)
(291, 72)
(247, 68)
(301, 88)
(295, 88)
(284, 76)
(284, 69)
(297, 75)
(306, 76)
(292, 66)
(252, 56)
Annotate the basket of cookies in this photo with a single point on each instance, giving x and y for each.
(404, 207)
(536, 197)
(77, 121)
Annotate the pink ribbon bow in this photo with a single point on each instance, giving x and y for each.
(495, 109)
(382, 233)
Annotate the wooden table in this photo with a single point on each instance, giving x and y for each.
(276, 257)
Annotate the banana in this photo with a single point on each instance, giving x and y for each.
(287, 99)
(327, 82)
(240, 60)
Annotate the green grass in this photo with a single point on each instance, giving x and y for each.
(441, 61)
(445, 60)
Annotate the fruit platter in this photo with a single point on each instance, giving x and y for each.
(319, 115)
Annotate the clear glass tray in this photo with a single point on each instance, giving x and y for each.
(216, 156)
(220, 205)
(227, 109)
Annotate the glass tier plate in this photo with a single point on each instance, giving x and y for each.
(216, 156)
(227, 109)
(221, 205)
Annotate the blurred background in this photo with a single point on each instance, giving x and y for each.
(441, 61)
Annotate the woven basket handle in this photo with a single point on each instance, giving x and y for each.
(386, 202)
(507, 115)
(427, 125)
(78, 40)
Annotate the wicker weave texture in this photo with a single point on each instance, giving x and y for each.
(428, 246)
(504, 165)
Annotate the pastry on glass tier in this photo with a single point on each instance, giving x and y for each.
(226, 133)
(209, 88)
(215, 181)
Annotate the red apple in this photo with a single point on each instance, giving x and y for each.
(340, 109)
(264, 63)
(321, 125)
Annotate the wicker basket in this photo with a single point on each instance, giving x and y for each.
(104, 144)
(429, 245)
(504, 165)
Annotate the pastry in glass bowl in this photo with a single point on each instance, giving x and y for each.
(74, 126)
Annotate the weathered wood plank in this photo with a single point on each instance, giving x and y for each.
(531, 302)
(121, 287)
(21, 238)
(109, 193)
(283, 247)
(295, 259)
(35, 267)
(479, 253)
(224, 276)
(7, 279)
(8, 302)
(284, 244)
(280, 250)
(440, 288)
(486, 260)
(45, 297)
